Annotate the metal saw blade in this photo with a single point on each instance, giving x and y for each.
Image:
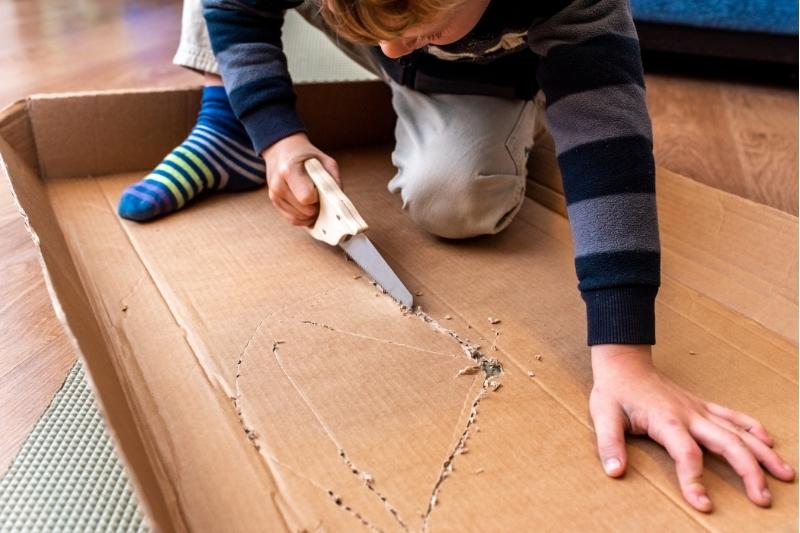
(362, 251)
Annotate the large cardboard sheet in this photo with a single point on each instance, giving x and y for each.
(270, 385)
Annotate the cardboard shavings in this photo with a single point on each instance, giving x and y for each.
(538, 357)
(495, 385)
(692, 353)
(531, 373)
(418, 293)
(448, 317)
(448, 465)
(494, 339)
(491, 367)
(469, 370)
(494, 321)
(479, 471)
(339, 503)
(356, 277)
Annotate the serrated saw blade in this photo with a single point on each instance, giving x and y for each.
(361, 250)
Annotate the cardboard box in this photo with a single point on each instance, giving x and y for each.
(254, 380)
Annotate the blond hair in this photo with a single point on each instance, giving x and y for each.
(370, 21)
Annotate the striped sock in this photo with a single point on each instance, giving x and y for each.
(216, 156)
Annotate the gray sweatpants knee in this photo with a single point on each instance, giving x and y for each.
(451, 196)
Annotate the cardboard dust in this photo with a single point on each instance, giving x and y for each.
(469, 370)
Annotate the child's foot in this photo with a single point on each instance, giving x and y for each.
(216, 156)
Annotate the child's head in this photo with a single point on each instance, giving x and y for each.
(402, 26)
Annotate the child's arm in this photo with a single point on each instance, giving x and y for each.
(592, 76)
(246, 38)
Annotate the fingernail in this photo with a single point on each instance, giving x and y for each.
(766, 494)
(611, 464)
(787, 467)
(703, 499)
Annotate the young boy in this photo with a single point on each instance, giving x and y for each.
(464, 75)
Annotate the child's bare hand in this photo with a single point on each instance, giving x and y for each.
(629, 394)
(290, 188)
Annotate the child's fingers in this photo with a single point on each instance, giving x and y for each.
(609, 428)
(749, 423)
(727, 444)
(765, 455)
(301, 188)
(305, 210)
(332, 167)
(688, 457)
(290, 213)
(282, 197)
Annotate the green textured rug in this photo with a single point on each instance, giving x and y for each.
(67, 476)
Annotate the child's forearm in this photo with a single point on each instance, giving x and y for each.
(247, 44)
(592, 77)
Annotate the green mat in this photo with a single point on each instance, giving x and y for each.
(67, 476)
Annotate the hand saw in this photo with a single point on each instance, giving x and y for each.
(340, 224)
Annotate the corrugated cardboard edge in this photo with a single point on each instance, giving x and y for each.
(127, 441)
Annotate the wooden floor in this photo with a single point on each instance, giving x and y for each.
(740, 137)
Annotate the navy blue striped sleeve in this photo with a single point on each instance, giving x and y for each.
(246, 39)
(591, 74)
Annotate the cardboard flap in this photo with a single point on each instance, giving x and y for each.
(92, 134)
(742, 254)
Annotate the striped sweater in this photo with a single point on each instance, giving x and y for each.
(584, 55)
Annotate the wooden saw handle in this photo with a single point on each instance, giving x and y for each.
(338, 218)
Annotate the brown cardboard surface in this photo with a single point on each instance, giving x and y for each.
(254, 381)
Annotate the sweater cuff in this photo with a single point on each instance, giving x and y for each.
(271, 123)
(621, 315)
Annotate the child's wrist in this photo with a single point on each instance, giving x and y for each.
(614, 357)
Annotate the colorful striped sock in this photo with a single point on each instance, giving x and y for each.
(216, 156)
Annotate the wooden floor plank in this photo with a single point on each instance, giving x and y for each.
(741, 138)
